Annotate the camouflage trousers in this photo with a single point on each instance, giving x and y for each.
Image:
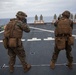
(13, 52)
(68, 53)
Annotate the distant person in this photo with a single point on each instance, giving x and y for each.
(63, 39)
(13, 33)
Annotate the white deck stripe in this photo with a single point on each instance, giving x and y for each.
(42, 65)
(49, 38)
(21, 40)
(1, 40)
(74, 35)
(2, 31)
(34, 39)
(42, 29)
(39, 39)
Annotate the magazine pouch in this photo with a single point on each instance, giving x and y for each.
(12, 42)
(71, 40)
(60, 42)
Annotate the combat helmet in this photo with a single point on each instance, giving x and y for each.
(21, 14)
(66, 14)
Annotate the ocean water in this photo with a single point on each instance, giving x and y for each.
(29, 20)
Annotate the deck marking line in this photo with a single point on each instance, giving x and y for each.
(42, 29)
(34, 39)
(43, 65)
(49, 38)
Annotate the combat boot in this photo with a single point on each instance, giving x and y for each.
(70, 65)
(11, 68)
(52, 65)
(27, 67)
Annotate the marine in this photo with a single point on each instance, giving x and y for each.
(13, 33)
(62, 37)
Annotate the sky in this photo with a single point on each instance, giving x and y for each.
(9, 8)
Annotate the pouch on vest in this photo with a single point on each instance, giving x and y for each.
(63, 27)
(7, 33)
(12, 42)
(9, 29)
(64, 30)
(5, 42)
(71, 40)
(60, 42)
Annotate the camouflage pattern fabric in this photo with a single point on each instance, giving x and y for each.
(68, 53)
(20, 52)
(65, 15)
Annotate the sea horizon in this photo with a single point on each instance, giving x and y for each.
(4, 21)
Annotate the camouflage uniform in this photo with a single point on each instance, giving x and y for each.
(19, 50)
(68, 48)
